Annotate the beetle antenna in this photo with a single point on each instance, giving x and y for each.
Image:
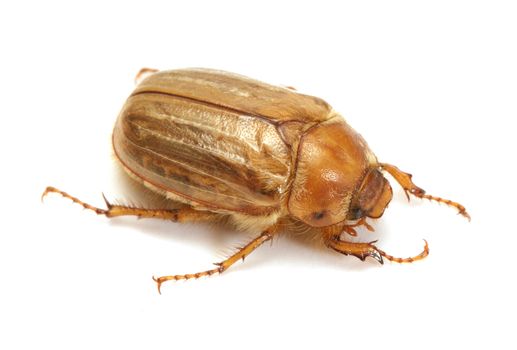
(404, 179)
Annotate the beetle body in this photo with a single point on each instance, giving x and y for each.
(229, 144)
(226, 145)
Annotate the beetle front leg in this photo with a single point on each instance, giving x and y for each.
(364, 250)
(242, 253)
(404, 179)
(185, 214)
(359, 250)
(350, 228)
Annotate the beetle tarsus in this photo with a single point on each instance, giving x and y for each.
(461, 209)
(51, 189)
(422, 255)
(223, 265)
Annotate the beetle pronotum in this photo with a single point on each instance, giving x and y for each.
(263, 156)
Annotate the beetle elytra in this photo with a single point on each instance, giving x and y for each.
(225, 145)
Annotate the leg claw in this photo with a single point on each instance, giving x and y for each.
(158, 283)
(377, 256)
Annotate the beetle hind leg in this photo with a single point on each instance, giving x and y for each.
(186, 214)
(143, 73)
(242, 253)
(404, 179)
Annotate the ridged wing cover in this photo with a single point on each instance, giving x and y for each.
(238, 92)
(213, 139)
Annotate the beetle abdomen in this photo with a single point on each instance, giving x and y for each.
(212, 157)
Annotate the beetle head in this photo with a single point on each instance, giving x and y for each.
(337, 177)
(372, 197)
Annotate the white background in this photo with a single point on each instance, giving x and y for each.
(431, 85)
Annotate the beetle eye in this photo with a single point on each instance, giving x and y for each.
(318, 215)
(356, 213)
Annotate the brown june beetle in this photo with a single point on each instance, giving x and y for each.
(262, 156)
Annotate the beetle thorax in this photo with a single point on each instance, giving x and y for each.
(332, 161)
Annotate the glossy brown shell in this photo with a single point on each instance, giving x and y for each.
(332, 161)
(215, 140)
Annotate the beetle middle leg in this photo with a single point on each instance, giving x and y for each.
(222, 266)
(404, 179)
(185, 214)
